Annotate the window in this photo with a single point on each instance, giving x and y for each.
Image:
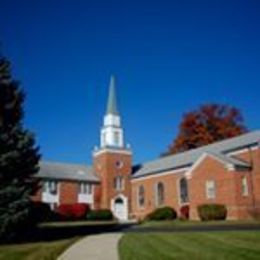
(141, 199)
(184, 197)
(50, 187)
(160, 194)
(85, 188)
(210, 189)
(119, 183)
(244, 187)
(119, 164)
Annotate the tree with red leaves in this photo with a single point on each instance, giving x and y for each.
(208, 124)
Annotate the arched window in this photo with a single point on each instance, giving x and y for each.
(184, 194)
(141, 196)
(160, 194)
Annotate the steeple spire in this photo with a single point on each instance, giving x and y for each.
(112, 102)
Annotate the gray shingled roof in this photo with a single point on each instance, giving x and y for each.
(230, 160)
(76, 172)
(186, 159)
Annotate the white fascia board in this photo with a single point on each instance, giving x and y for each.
(229, 166)
(158, 175)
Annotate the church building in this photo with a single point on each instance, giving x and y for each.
(226, 172)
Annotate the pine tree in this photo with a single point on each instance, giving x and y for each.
(19, 157)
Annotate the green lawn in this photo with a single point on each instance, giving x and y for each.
(35, 251)
(203, 245)
(190, 223)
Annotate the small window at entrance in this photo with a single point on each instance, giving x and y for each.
(119, 201)
(119, 183)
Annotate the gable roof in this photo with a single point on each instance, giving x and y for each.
(222, 158)
(74, 172)
(229, 160)
(186, 159)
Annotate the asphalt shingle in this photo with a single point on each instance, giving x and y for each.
(186, 159)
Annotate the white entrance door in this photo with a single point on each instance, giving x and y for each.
(120, 209)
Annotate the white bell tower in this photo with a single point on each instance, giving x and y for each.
(112, 133)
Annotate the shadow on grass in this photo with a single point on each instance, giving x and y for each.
(54, 233)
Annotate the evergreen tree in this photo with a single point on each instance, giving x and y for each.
(19, 158)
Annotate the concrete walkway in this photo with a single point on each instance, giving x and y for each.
(94, 247)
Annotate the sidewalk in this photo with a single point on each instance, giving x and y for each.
(94, 247)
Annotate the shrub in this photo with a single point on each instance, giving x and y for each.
(75, 211)
(212, 212)
(100, 214)
(185, 212)
(165, 213)
(39, 212)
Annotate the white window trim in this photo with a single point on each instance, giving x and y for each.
(49, 197)
(245, 190)
(138, 197)
(87, 187)
(119, 183)
(179, 192)
(157, 194)
(47, 187)
(208, 183)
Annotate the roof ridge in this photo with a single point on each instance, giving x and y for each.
(203, 147)
(64, 163)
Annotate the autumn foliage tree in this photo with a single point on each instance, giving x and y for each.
(207, 124)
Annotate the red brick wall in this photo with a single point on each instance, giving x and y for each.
(253, 157)
(170, 182)
(228, 188)
(68, 192)
(106, 168)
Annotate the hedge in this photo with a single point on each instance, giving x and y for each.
(212, 212)
(100, 214)
(40, 212)
(165, 213)
(75, 211)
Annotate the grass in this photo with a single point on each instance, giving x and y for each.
(206, 245)
(190, 223)
(51, 239)
(35, 251)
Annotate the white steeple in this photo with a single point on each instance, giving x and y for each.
(112, 132)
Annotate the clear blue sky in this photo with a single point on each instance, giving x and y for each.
(168, 57)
